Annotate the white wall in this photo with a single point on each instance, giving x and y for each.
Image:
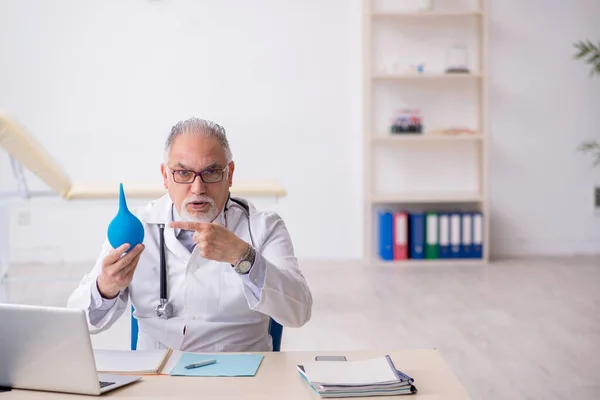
(101, 82)
(543, 104)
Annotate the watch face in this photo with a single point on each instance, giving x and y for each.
(245, 266)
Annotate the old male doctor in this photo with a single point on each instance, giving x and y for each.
(228, 269)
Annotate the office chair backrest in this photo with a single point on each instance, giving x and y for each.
(275, 330)
(134, 330)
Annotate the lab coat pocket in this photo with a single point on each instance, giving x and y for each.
(201, 289)
(231, 299)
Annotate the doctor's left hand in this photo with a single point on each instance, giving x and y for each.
(214, 241)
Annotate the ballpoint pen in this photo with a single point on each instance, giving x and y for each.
(200, 364)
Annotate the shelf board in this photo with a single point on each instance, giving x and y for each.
(411, 137)
(377, 262)
(426, 76)
(435, 198)
(425, 14)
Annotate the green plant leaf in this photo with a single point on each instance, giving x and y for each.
(591, 146)
(590, 53)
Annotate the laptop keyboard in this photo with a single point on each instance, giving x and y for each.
(105, 384)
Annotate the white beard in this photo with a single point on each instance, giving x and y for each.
(204, 216)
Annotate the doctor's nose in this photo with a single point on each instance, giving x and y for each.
(198, 186)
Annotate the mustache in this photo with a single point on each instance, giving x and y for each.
(201, 198)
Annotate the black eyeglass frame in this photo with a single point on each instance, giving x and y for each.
(199, 174)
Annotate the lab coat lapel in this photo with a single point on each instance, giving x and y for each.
(161, 213)
(175, 246)
(196, 259)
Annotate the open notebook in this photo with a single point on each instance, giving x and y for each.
(371, 377)
(173, 362)
(131, 362)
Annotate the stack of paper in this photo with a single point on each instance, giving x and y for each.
(373, 377)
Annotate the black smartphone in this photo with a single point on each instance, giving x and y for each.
(330, 358)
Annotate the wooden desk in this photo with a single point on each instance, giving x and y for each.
(277, 378)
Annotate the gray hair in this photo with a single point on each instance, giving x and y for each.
(197, 126)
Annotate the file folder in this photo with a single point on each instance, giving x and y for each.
(455, 235)
(431, 230)
(386, 235)
(226, 365)
(400, 236)
(417, 236)
(478, 235)
(444, 235)
(467, 235)
(358, 378)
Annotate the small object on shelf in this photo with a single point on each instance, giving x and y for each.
(453, 131)
(416, 68)
(425, 5)
(457, 60)
(392, 67)
(407, 121)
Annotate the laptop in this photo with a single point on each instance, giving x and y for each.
(49, 349)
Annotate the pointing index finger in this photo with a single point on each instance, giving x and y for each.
(188, 225)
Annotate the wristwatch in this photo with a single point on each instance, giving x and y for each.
(243, 265)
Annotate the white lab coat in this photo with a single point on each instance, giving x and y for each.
(219, 311)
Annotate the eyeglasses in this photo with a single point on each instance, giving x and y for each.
(209, 175)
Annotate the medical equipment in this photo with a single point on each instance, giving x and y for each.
(125, 227)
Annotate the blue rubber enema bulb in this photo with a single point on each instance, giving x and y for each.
(125, 227)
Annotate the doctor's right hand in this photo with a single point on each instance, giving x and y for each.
(117, 270)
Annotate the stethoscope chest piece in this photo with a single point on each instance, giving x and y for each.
(164, 310)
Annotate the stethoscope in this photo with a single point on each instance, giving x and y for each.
(164, 309)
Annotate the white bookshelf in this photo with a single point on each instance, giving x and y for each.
(426, 198)
(426, 137)
(389, 184)
(425, 76)
(425, 14)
